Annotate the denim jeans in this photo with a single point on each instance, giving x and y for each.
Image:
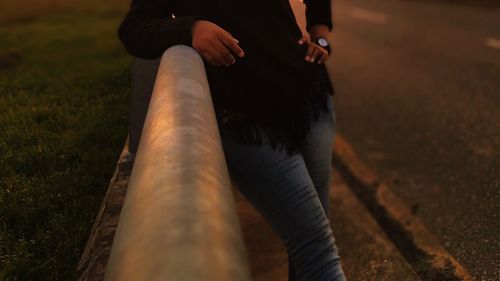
(291, 193)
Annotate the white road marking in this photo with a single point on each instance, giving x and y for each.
(492, 43)
(368, 15)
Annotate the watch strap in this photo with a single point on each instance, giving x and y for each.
(327, 48)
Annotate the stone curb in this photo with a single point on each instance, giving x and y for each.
(418, 245)
(93, 262)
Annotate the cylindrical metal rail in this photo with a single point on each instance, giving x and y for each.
(179, 219)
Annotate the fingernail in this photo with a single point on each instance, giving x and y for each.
(307, 58)
(241, 54)
(300, 42)
(312, 60)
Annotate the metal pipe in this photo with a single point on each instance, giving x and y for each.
(179, 219)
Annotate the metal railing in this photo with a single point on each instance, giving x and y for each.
(179, 219)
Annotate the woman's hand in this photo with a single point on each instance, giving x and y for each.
(315, 53)
(214, 43)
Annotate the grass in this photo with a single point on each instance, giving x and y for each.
(63, 122)
(28, 9)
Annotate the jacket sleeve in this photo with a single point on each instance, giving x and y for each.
(148, 28)
(318, 12)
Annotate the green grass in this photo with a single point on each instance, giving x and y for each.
(63, 122)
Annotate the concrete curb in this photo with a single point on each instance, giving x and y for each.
(418, 245)
(95, 256)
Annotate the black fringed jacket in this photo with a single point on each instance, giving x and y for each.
(272, 89)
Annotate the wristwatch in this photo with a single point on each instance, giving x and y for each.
(323, 43)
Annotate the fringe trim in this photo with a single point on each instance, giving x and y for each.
(289, 134)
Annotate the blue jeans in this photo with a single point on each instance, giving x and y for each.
(291, 193)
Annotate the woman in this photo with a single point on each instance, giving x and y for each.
(273, 103)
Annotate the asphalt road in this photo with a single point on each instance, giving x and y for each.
(418, 96)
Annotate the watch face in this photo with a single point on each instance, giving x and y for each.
(322, 42)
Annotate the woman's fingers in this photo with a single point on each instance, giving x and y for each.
(232, 44)
(315, 53)
(214, 43)
(303, 39)
(215, 55)
(224, 52)
(208, 58)
(323, 57)
(309, 52)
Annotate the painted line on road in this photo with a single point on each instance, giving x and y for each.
(492, 43)
(368, 15)
(414, 240)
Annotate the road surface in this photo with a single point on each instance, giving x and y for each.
(418, 96)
